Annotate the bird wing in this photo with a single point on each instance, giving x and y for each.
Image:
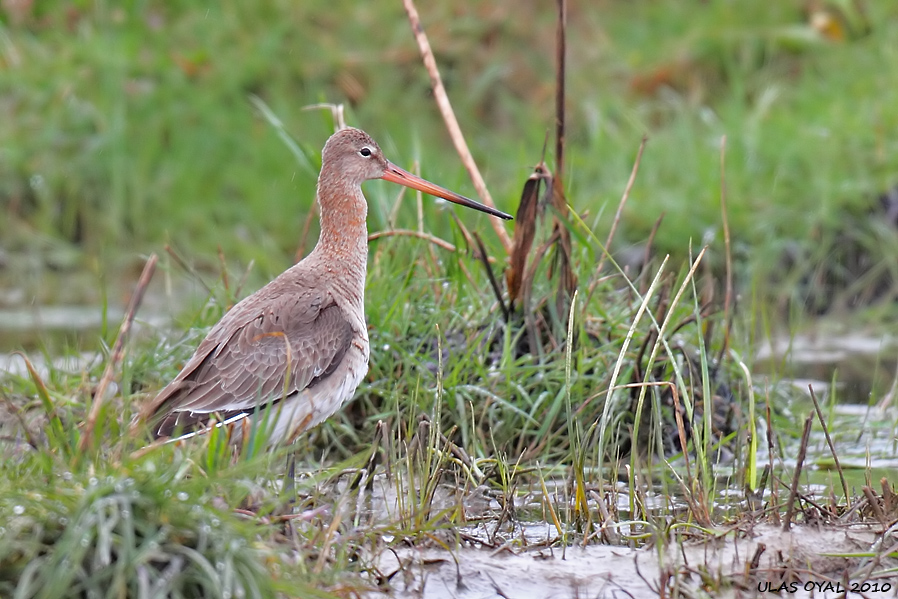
(260, 352)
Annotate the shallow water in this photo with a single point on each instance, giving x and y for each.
(61, 314)
(860, 367)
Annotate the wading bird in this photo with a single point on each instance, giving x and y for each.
(293, 352)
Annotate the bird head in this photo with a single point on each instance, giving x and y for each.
(357, 158)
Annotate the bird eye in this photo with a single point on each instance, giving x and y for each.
(365, 152)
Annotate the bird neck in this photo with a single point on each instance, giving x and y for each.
(343, 244)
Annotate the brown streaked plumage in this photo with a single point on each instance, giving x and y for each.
(299, 345)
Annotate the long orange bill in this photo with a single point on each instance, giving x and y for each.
(403, 177)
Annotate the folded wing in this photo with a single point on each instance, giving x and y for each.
(260, 353)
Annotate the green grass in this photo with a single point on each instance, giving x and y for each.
(510, 415)
(125, 528)
(133, 124)
(199, 521)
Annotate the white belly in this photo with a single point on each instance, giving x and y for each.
(315, 404)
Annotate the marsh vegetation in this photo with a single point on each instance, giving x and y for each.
(614, 398)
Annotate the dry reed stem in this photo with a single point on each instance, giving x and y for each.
(560, 52)
(336, 111)
(873, 501)
(383, 433)
(649, 244)
(724, 214)
(525, 231)
(755, 560)
(623, 201)
(567, 280)
(617, 217)
(17, 411)
(394, 211)
(796, 478)
(888, 496)
(547, 501)
(606, 530)
(240, 284)
(419, 204)
(224, 271)
(770, 451)
(469, 239)
(409, 233)
(187, 268)
(466, 271)
(452, 126)
(829, 441)
(330, 537)
(419, 199)
(304, 235)
(497, 291)
(136, 455)
(118, 351)
(495, 586)
(681, 428)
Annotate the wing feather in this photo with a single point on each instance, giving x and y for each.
(247, 357)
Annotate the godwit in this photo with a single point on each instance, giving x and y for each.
(296, 349)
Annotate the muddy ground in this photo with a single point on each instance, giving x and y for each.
(747, 562)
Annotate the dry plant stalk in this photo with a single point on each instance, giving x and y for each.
(225, 280)
(888, 496)
(524, 232)
(829, 442)
(17, 412)
(118, 352)
(336, 111)
(458, 138)
(873, 502)
(728, 296)
(622, 203)
(649, 244)
(409, 233)
(796, 479)
(173, 254)
(567, 280)
(617, 216)
(494, 283)
(519, 278)
(771, 447)
(304, 236)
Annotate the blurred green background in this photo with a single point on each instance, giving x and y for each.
(128, 125)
